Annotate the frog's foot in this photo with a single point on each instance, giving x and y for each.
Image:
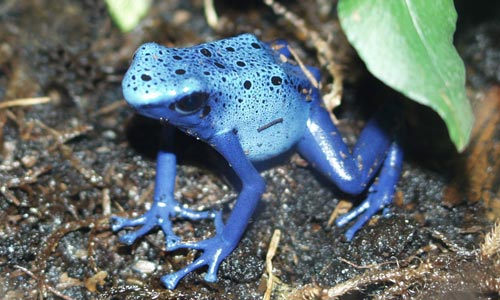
(214, 250)
(159, 215)
(380, 193)
(375, 201)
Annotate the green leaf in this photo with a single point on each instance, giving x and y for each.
(408, 44)
(127, 13)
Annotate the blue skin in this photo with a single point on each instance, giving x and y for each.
(250, 102)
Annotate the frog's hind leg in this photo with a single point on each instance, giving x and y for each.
(282, 47)
(376, 152)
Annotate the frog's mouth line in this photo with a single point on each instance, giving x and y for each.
(159, 111)
(149, 106)
(151, 110)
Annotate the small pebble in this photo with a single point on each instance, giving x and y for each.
(144, 266)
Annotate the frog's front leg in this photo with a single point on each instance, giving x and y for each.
(227, 235)
(376, 152)
(164, 207)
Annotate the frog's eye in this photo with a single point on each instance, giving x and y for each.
(191, 103)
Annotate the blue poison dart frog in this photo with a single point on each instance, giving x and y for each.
(251, 102)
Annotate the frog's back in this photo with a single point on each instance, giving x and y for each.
(261, 97)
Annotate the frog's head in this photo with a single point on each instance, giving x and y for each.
(158, 85)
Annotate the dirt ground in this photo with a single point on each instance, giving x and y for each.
(74, 153)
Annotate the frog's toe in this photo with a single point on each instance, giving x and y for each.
(156, 216)
(352, 214)
(130, 238)
(118, 223)
(194, 215)
(170, 281)
(375, 201)
(214, 251)
(177, 244)
(361, 220)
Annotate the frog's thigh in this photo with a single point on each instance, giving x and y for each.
(323, 147)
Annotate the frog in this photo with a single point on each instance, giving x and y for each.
(251, 101)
